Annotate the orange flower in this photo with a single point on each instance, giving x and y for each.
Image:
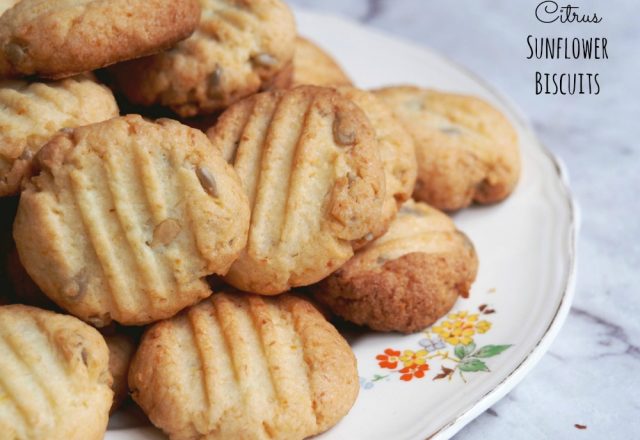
(415, 370)
(389, 359)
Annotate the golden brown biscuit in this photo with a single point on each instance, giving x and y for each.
(54, 377)
(467, 150)
(396, 151)
(238, 48)
(121, 349)
(408, 278)
(60, 38)
(309, 162)
(314, 66)
(240, 366)
(33, 112)
(127, 217)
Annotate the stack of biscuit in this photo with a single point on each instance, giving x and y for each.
(296, 191)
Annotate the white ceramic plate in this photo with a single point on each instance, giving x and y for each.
(522, 295)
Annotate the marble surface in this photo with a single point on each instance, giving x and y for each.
(591, 375)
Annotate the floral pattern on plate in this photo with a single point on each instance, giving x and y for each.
(449, 344)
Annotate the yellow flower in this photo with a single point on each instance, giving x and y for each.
(459, 315)
(459, 328)
(483, 326)
(410, 357)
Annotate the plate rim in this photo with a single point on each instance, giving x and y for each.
(561, 313)
(510, 381)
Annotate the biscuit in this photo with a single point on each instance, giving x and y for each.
(33, 112)
(309, 162)
(408, 278)
(238, 48)
(241, 366)
(467, 150)
(126, 218)
(396, 151)
(314, 66)
(54, 376)
(121, 349)
(61, 38)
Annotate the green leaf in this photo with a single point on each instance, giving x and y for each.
(490, 350)
(462, 351)
(473, 365)
(470, 348)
